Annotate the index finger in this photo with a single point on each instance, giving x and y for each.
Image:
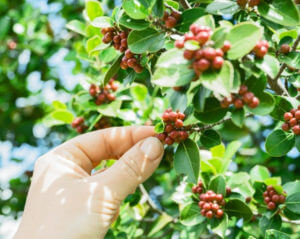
(89, 149)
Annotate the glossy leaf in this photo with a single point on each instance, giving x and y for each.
(279, 143)
(239, 209)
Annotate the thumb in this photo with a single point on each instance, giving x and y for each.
(133, 168)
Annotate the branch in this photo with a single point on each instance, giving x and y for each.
(185, 4)
(274, 83)
(150, 202)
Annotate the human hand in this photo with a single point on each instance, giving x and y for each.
(66, 202)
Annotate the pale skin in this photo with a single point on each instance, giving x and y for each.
(66, 202)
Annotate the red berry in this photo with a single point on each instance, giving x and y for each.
(226, 47)
(80, 129)
(248, 97)
(271, 206)
(228, 190)
(288, 116)
(189, 36)
(293, 122)
(265, 194)
(165, 17)
(271, 193)
(265, 43)
(285, 48)
(200, 204)
(128, 54)
(243, 90)
(255, 102)
(131, 62)
(116, 39)
(219, 52)
(161, 136)
(297, 115)
(183, 135)
(203, 212)
(203, 64)
(169, 141)
(179, 44)
(194, 29)
(166, 117)
(270, 188)
(248, 199)
(275, 198)
(219, 213)
(293, 111)
(181, 115)
(199, 54)
(209, 214)
(168, 128)
(285, 127)
(219, 197)
(178, 123)
(261, 52)
(238, 103)
(242, 3)
(225, 103)
(124, 42)
(138, 68)
(123, 35)
(171, 22)
(187, 54)
(173, 116)
(253, 3)
(207, 206)
(267, 200)
(177, 15)
(174, 134)
(202, 197)
(296, 129)
(194, 189)
(218, 62)
(111, 97)
(215, 207)
(202, 37)
(210, 53)
(281, 199)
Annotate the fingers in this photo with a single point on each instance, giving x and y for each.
(89, 149)
(133, 168)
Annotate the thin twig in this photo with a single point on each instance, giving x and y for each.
(291, 221)
(150, 202)
(171, 8)
(185, 4)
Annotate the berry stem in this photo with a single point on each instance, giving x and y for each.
(185, 4)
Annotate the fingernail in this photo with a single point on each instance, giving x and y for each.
(152, 148)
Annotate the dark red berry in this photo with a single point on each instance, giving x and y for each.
(168, 128)
(248, 97)
(253, 3)
(218, 62)
(238, 103)
(187, 54)
(281, 199)
(226, 47)
(267, 200)
(209, 214)
(255, 102)
(293, 122)
(285, 48)
(296, 129)
(219, 52)
(169, 141)
(203, 64)
(178, 123)
(128, 54)
(179, 44)
(288, 116)
(210, 53)
(271, 205)
(171, 22)
(202, 37)
(297, 115)
(243, 90)
(161, 136)
(285, 127)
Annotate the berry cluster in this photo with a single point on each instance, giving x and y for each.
(103, 94)
(251, 3)
(131, 60)
(261, 49)
(78, 124)
(103, 123)
(272, 198)
(171, 20)
(239, 100)
(206, 57)
(285, 48)
(292, 121)
(174, 131)
(118, 38)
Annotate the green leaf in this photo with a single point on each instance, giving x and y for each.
(76, 26)
(159, 224)
(266, 104)
(159, 127)
(92, 44)
(139, 92)
(190, 215)
(172, 69)
(293, 202)
(207, 20)
(218, 185)
(63, 115)
(213, 112)
(282, 105)
(158, 8)
(239, 209)
(210, 138)
(219, 36)
(187, 160)
(266, 223)
(58, 105)
(222, 7)
(240, 183)
(135, 9)
(297, 142)
(220, 82)
(218, 226)
(93, 9)
(279, 143)
(243, 38)
(134, 24)
(238, 117)
(292, 187)
(178, 101)
(259, 173)
(148, 40)
(291, 59)
(112, 70)
(102, 22)
(189, 16)
(110, 109)
(273, 234)
(282, 12)
(269, 64)
(199, 98)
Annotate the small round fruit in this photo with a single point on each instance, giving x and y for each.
(293, 122)
(179, 44)
(161, 136)
(270, 188)
(199, 54)
(124, 42)
(287, 116)
(202, 37)
(194, 28)
(226, 47)
(219, 213)
(181, 115)
(281, 199)
(131, 62)
(218, 62)
(243, 90)
(296, 129)
(169, 141)
(265, 194)
(262, 52)
(271, 206)
(188, 54)
(201, 204)
(285, 127)
(219, 197)
(285, 48)
(210, 53)
(248, 97)
(242, 3)
(178, 123)
(117, 39)
(168, 128)
(253, 3)
(171, 22)
(275, 198)
(209, 214)
(207, 206)
(238, 103)
(128, 54)
(174, 134)
(166, 117)
(138, 68)
(215, 207)
(267, 200)
(254, 103)
(183, 135)
(203, 64)
(219, 52)
(228, 190)
(297, 115)
(177, 15)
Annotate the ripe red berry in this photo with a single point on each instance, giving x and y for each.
(285, 48)
(171, 22)
(254, 103)
(203, 64)
(275, 198)
(207, 206)
(194, 28)
(281, 199)
(271, 206)
(253, 3)
(215, 207)
(218, 62)
(219, 213)
(202, 37)
(293, 122)
(187, 54)
(262, 52)
(293, 111)
(210, 53)
(228, 190)
(179, 44)
(219, 197)
(285, 127)
(183, 135)
(124, 42)
(169, 141)
(288, 116)
(203, 212)
(189, 36)
(131, 62)
(181, 115)
(238, 103)
(165, 17)
(174, 134)
(128, 54)
(248, 97)
(177, 15)
(270, 188)
(138, 68)
(296, 129)
(226, 47)
(161, 136)
(267, 200)
(209, 214)
(297, 115)
(248, 199)
(111, 97)
(243, 90)
(242, 3)
(219, 52)
(265, 194)
(178, 123)
(168, 128)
